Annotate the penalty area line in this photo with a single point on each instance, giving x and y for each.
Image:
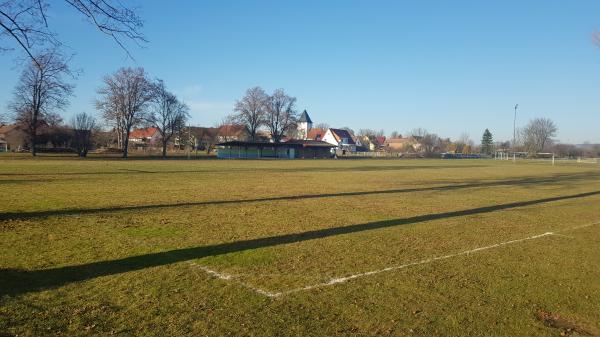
(344, 279)
(232, 278)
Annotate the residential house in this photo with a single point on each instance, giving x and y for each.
(364, 143)
(341, 139)
(399, 144)
(380, 140)
(316, 134)
(145, 137)
(12, 138)
(371, 143)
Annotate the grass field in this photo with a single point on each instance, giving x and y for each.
(303, 248)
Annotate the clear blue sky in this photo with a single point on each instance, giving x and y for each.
(448, 66)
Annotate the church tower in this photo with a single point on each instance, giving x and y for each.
(304, 125)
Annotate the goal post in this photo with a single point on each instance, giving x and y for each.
(546, 157)
(514, 156)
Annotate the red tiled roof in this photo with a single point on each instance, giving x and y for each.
(316, 134)
(6, 128)
(143, 133)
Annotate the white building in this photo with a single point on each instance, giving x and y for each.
(304, 125)
(342, 139)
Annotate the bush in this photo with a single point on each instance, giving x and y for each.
(56, 150)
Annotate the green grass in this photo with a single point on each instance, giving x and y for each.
(99, 247)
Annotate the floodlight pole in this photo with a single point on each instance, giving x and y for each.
(514, 133)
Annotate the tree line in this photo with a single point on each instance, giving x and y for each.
(127, 99)
(43, 86)
(537, 136)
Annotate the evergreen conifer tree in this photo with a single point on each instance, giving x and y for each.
(487, 142)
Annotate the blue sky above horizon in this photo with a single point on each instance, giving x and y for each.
(451, 67)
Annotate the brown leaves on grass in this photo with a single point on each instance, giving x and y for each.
(554, 320)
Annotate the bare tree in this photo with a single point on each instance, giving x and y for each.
(206, 138)
(250, 111)
(42, 88)
(347, 128)
(428, 142)
(25, 23)
(538, 134)
(418, 132)
(168, 115)
(466, 139)
(463, 142)
(366, 133)
(567, 150)
(110, 108)
(322, 126)
(3, 118)
(281, 115)
(395, 134)
(82, 125)
(124, 99)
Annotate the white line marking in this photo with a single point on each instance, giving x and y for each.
(563, 236)
(425, 261)
(227, 277)
(579, 227)
(338, 280)
(211, 272)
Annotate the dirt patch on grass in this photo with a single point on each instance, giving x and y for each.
(567, 327)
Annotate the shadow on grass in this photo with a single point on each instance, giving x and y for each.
(82, 211)
(111, 157)
(15, 282)
(23, 181)
(258, 170)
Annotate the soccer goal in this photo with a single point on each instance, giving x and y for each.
(544, 157)
(514, 156)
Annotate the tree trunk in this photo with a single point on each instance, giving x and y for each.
(126, 145)
(33, 139)
(33, 132)
(164, 149)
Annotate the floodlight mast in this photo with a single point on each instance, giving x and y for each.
(514, 132)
